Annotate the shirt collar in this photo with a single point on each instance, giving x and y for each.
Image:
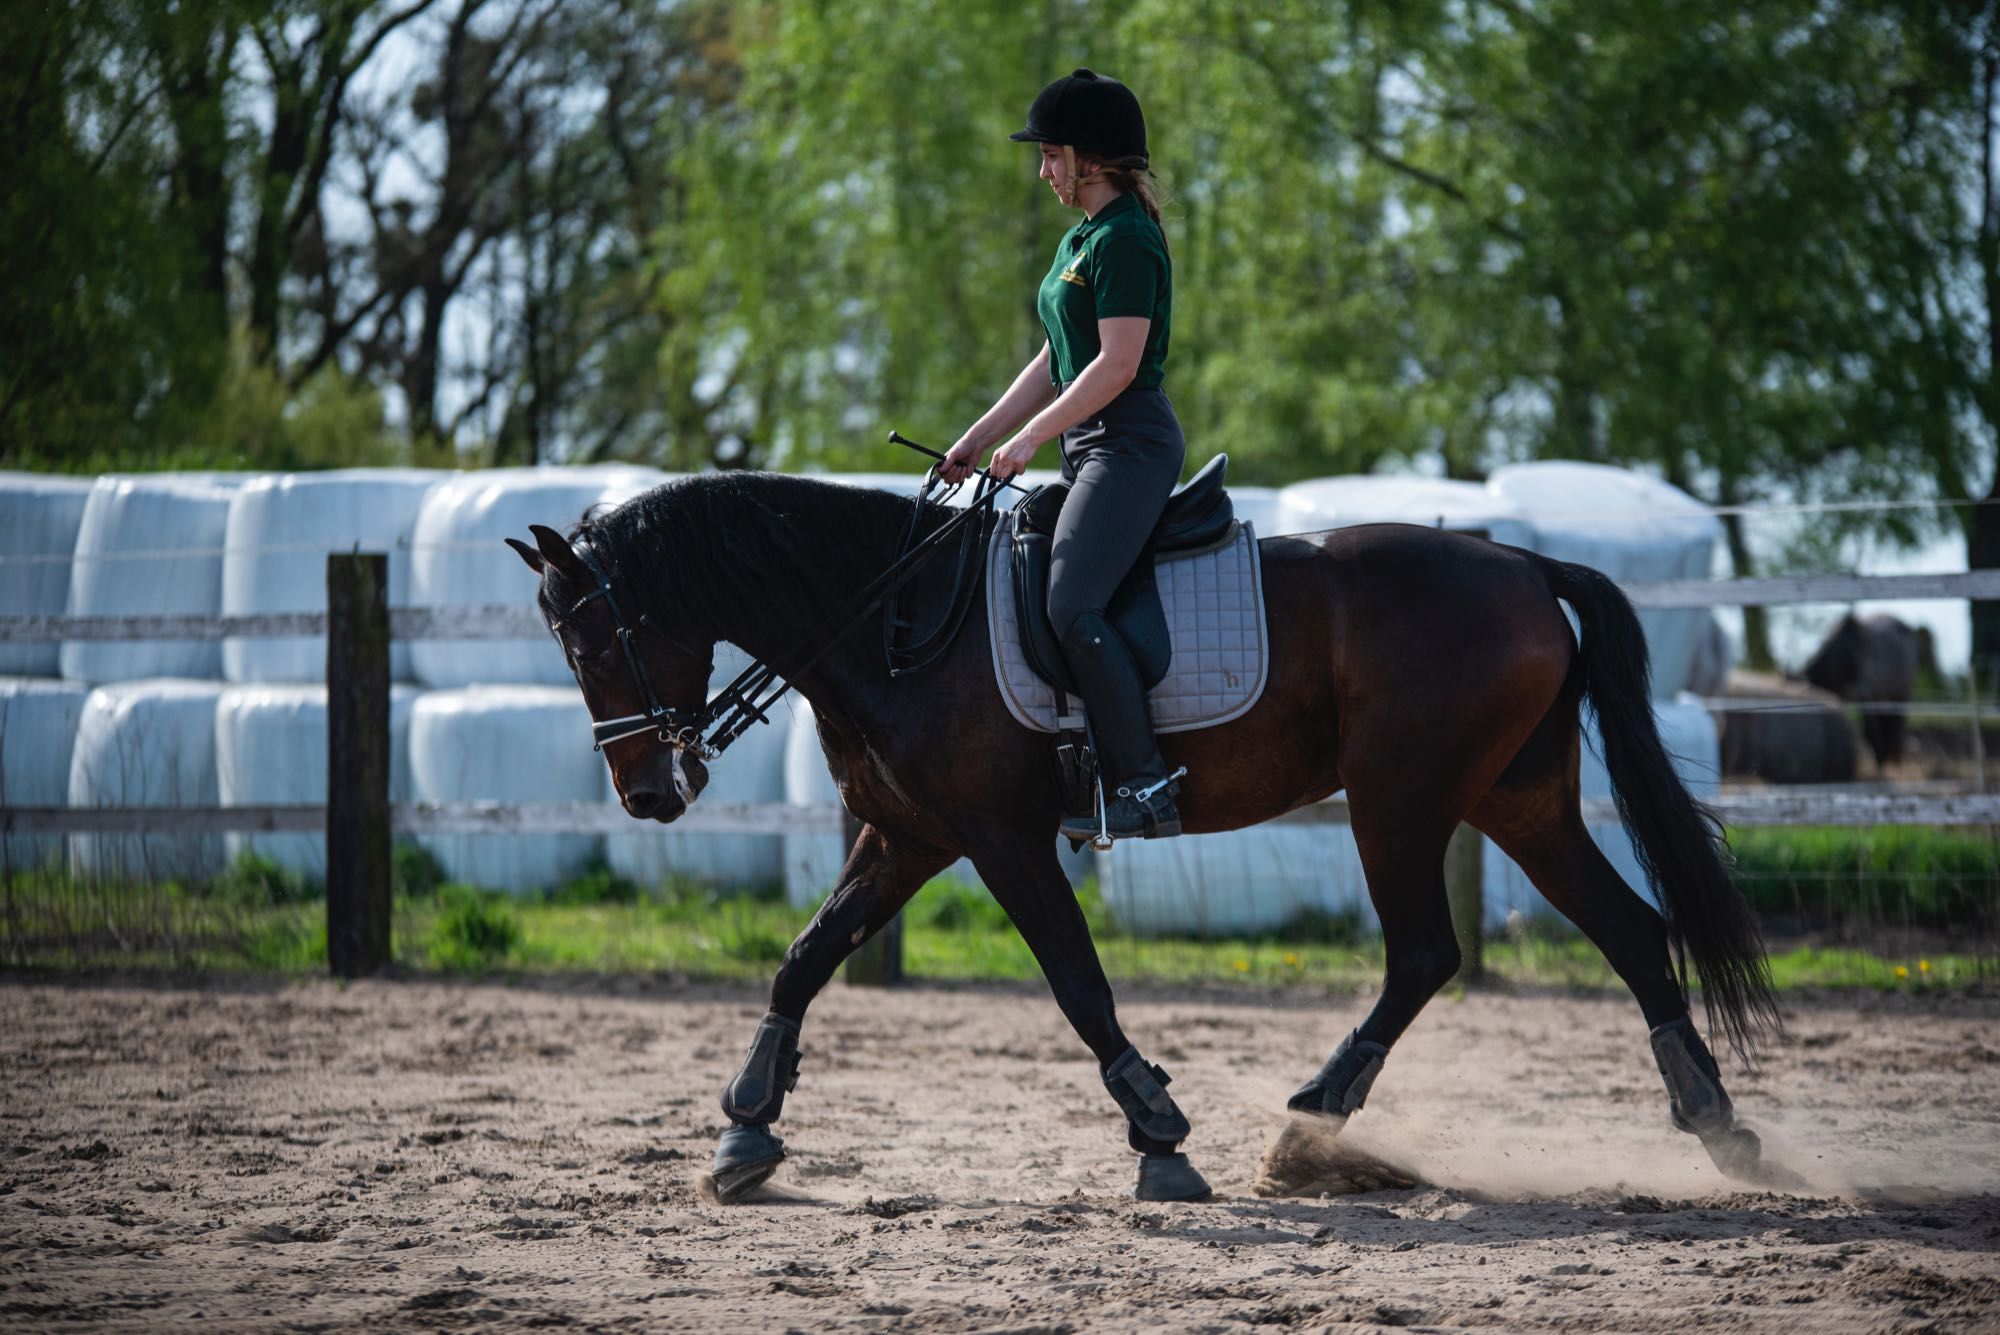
(1125, 200)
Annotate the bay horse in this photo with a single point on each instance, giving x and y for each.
(1431, 675)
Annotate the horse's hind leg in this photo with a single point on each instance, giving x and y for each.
(881, 874)
(1028, 881)
(1402, 854)
(1540, 826)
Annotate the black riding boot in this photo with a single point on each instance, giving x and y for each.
(1138, 796)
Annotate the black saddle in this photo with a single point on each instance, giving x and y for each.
(1198, 517)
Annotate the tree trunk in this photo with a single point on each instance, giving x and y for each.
(1756, 624)
(1982, 527)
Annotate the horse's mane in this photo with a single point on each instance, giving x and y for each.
(744, 551)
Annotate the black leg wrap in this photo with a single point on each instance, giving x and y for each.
(1699, 1104)
(1694, 1083)
(1158, 1124)
(1342, 1085)
(757, 1094)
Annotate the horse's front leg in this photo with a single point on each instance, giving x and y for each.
(1026, 878)
(881, 874)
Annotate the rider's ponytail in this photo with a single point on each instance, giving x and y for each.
(1131, 176)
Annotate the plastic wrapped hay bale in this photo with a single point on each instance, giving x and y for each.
(39, 519)
(270, 750)
(280, 530)
(146, 743)
(458, 559)
(38, 722)
(506, 744)
(1432, 502)
(751, 771)
(148, 545)
(1687, 730)
(1262, 879)
(1633, 528)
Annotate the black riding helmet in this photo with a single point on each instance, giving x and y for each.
(1091, 112)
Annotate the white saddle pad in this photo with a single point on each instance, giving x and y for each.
(1214, 601)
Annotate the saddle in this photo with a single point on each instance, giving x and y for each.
(1198, 517)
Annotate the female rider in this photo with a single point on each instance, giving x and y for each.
(1106, 306)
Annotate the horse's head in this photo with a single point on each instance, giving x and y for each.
(645, 690)
(1836, 664)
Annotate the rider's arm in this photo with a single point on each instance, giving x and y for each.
(1030, 392)
(1121, 342)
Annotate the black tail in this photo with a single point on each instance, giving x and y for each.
(1680, 842)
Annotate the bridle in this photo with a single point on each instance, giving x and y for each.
(744, 701)
(676, 729)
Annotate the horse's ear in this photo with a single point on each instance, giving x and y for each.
(555, 550)
(528, 554)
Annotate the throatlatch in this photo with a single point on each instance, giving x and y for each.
(757, 1094)
(1342, 1085)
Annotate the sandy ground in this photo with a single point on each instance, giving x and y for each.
(420, 1155)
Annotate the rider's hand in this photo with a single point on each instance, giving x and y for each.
(1013, 458)
(960, 459)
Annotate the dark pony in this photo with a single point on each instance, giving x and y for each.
(1430, 675)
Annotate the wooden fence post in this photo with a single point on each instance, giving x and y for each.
(878, 961)
(1464, 874)
(357, 763)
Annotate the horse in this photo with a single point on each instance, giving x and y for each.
(1873, 660)
(1430, 675)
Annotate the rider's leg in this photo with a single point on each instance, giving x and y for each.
(1122, 474)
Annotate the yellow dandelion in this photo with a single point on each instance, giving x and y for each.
(1241, 966)
(1292, 959)
(1902, 972)
(1923, 966)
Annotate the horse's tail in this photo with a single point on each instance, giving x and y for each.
(1679, 840)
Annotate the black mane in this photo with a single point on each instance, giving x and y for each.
(743, 552)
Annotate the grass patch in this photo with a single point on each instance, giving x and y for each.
(602, 924)
(1890, 874)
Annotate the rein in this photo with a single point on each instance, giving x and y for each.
(749, 698)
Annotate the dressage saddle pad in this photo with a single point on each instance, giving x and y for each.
(1214, 604)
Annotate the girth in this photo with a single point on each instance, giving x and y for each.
(1197, 517)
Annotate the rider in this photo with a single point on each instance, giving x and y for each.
(1106, 306)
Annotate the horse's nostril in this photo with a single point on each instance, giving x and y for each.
(643, 802)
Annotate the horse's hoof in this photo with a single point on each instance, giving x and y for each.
(1169, 1177)
(745, 1158)
(1736, 1151)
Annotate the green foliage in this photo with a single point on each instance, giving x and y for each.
(254, 880)
(414, 871)
(596, 884)
(475, 931)
(1881, 875)
(949, 905)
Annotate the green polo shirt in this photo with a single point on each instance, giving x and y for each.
(1111, 265)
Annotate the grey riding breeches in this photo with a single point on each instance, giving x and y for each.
(1121, 464)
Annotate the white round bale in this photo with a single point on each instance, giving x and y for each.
(1432, 502)
(1256, 880)
(280, 530)
(1630, 526)
(148, 743)
(459, 559)
(38, 722)
(149, 544)
(39, 519)
(506, 744)
(270, 750)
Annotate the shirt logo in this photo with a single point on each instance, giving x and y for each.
(1070, 275)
